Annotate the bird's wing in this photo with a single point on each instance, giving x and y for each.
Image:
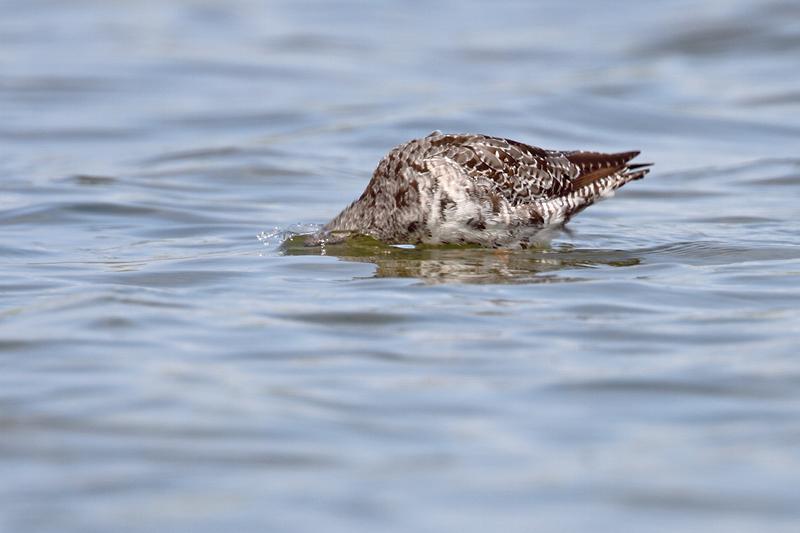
(523, 174)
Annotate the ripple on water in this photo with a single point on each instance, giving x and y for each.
(72, 212)
(351, 318)
(721, 253)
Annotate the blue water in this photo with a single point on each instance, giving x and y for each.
(166, 364)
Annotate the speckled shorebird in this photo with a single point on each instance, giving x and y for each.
(466, 188)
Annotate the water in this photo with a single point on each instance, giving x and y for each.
(165, 369)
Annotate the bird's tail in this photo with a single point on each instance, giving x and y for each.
(600, 176)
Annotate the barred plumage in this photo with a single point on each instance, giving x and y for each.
(467, 188)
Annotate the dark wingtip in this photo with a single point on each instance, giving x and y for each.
(590, 161)
(623, 157)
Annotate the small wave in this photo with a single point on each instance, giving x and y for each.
(708, 252)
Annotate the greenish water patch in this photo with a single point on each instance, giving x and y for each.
(464, 263)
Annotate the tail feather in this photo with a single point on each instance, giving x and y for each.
(591, 161)
(637, 171)
(594, 166)
(601, 176)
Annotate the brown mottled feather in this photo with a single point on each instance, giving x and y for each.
(477, 188)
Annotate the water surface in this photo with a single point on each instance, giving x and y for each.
(168, 365)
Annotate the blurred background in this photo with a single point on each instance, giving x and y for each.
(167, 366)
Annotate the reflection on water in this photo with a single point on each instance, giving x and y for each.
(464, 264)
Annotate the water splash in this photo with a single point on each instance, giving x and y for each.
(273, 239)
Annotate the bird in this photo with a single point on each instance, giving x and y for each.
(477, 189)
